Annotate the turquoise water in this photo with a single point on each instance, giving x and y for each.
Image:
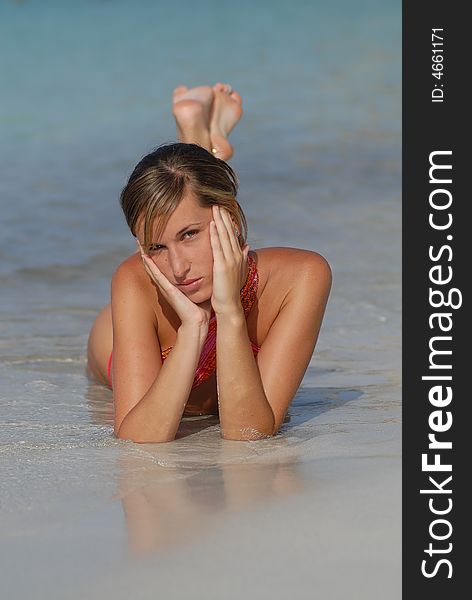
(85, 92)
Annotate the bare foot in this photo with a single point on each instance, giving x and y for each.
(192, 109)
(227, 110)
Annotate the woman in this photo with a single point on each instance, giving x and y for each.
(198, 322)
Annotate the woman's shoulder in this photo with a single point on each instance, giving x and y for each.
(132, 293)
(130, 274)
(287, 261)
(284, 269)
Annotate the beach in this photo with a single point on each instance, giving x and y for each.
(314, 512)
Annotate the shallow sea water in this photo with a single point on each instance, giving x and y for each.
(86, 92)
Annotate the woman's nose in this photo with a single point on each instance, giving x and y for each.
(179, 264)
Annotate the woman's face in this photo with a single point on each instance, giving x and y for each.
(184, 250)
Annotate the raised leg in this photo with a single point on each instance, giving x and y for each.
(206, 116)
(227, 111)
(192, 112)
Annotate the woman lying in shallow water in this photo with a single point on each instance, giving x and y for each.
(199, 323)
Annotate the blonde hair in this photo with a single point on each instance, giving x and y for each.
(159, 181)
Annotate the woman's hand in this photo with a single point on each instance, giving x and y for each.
(229, 263)
(188, 312)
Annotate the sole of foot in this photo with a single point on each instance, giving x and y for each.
(192, 109)
(227, 111)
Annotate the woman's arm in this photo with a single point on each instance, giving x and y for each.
(156, 417)
(245, 413)
(149, 396)
(254, 394)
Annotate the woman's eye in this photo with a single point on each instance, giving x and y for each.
(157, 247)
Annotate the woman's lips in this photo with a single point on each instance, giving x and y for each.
(192, 286)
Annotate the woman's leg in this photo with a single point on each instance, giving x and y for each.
(192, 111)
(100, 345)
(227, 110)
(206, 116)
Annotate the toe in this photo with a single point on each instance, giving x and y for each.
(180, 89)
(235, 96)
(219, 87)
